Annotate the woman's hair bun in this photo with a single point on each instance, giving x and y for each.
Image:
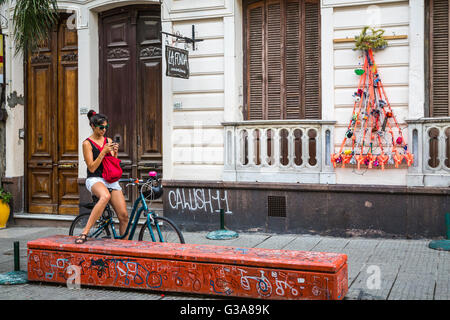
(91, 113)
(96, 118)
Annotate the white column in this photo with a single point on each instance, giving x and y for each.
(416, 97)
(167, 109)
(230, 86)
(327, 64)
(88, 74)
(416, 59)
(15, 73)
(327, 174)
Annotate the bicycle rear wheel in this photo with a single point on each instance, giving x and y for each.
(79, 223)
(169, 231)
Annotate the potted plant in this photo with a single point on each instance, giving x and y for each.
(5, 198)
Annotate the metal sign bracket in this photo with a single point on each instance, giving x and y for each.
(192, 40)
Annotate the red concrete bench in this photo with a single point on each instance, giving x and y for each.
(190, 268)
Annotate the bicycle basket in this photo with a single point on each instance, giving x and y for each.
(152, 190)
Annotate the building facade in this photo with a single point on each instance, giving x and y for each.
(252, 130)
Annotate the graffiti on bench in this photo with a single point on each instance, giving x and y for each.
(184, 276)
(194, 268)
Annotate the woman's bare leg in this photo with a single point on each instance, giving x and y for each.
(103, 195)
(120, 207)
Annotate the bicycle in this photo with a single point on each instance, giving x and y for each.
(164, 228)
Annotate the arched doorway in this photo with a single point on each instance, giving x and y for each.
(52, 123)
(130, 86)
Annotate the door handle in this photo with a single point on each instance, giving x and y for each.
(68, 166)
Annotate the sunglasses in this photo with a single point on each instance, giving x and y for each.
(103, 127)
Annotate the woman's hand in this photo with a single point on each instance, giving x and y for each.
(108, 148)
(115, 149)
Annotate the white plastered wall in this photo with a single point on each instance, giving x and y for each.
(196, 107)
(14, 82)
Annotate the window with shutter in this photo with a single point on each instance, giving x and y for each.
(282, 54)
(437, 18)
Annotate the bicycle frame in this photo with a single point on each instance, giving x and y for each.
(133, 222)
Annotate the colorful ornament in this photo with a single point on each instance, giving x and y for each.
(334, 159)
(409, 157)
(349, 134)
(360, 160)
(383, 159)
(347, 152)
(397, 158)
(370, 129)
(346, 159)
(371, 159)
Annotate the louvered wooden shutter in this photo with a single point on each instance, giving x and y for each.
(283, 59)
(273, 60)
(293, 54)
(255, 43)
(439, 58)
(312, 61)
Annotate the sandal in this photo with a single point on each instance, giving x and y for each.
(82, 238)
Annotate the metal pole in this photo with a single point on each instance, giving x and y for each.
(222, 219)
(16, 256)
(447, 224)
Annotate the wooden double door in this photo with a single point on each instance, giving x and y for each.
(131, 86)
(52, 124)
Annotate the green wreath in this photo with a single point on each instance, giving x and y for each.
(370, 41)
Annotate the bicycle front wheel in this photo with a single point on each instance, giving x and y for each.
(169, 231)
(79, 223)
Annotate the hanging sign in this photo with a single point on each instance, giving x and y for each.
(177, 62)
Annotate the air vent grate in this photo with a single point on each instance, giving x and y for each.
(276, 206)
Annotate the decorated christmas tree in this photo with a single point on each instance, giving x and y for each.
(373, 137)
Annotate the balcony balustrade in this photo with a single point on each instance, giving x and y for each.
(430, 142)
(295, 151)
(298, 151)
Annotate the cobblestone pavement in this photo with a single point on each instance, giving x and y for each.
(408, 269)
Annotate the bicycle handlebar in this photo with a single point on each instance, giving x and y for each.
(131, 180)
(154, 192)
(152, 174)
